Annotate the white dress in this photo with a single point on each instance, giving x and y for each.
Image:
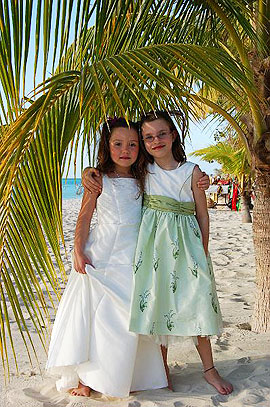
(90, 339)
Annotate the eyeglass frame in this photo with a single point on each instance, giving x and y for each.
(159, 136)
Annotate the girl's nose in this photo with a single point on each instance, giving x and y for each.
(126, 148)
(155, 140)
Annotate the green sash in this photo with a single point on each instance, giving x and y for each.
(165, 204)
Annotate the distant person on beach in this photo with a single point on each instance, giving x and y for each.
(91, 347)
(174, 293)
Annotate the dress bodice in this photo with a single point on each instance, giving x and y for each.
(174, 184)
(120, 202)
(113, 239)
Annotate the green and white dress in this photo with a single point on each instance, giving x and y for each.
(174, 290)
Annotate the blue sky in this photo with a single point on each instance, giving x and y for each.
(201, 136)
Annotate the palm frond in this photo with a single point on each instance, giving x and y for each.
(233, 159)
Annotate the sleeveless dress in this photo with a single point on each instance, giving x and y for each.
(174, 288)
(90, 340)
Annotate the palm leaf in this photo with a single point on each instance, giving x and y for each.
(232, 158)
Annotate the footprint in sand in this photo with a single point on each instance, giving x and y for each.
(237, 299)
(244, 360)
(252, 400)
(241, 373)
(219, 398)
(263, 383)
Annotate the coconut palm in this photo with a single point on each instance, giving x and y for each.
(126, 57)
(254, 56)
(233, 159)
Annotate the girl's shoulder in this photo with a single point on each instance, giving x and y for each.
(188, 165)
(185, 170)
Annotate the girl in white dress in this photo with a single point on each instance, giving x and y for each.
(91, 346)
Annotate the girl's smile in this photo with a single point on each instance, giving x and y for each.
(158, 147)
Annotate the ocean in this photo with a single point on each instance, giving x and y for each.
(71, 190)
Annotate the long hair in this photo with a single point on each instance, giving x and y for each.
(105, 163)
(177, 148)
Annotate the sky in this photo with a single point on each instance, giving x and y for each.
(201, 136)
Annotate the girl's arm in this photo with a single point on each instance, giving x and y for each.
(91, 180)
(82, 231)
(201, 207)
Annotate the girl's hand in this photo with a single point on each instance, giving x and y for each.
(204, 182)
(80, 260)
(91, 180)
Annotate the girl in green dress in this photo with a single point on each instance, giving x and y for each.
(174, 294)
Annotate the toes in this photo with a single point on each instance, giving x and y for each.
(223, 391)
(227, 389)
(73, 392)
(230, 389)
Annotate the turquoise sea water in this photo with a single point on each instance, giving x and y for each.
(72, 190)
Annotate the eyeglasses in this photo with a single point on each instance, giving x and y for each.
(161, 136)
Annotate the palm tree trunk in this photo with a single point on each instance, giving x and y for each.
(245, 207)
(261, 236)
(245, 199)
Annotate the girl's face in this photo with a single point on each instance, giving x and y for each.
(124, 146)
(158, 138)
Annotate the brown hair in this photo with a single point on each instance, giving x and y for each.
(177, 147)
(105, 163)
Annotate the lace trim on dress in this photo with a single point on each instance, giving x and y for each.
(167, 340)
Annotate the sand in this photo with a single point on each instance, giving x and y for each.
(240, 355)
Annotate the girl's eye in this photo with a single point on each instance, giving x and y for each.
(133, 144)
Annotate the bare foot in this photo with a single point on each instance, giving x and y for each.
(81, 390)
(212, 377)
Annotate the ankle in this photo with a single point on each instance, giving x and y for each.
(210, 368)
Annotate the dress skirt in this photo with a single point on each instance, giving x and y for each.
(174, 285)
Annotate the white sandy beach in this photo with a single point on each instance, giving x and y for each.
(240, 355)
